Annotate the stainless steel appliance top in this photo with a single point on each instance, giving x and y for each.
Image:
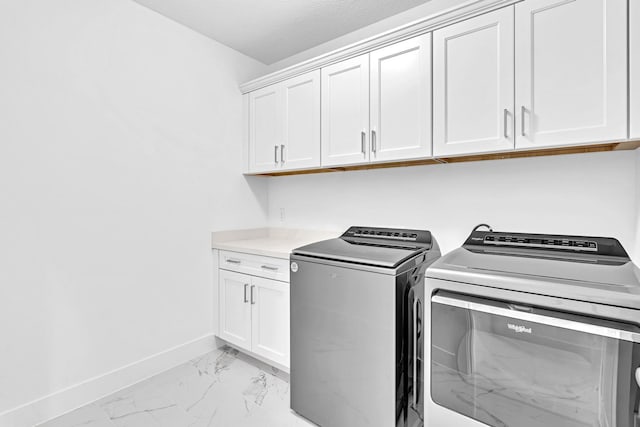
(380, 247)
(592, 269)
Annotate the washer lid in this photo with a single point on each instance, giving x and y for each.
(359, 253)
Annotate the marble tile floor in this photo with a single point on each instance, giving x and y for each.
(223, 388)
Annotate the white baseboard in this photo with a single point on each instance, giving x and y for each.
(92, 389)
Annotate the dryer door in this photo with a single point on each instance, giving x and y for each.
(509, 365)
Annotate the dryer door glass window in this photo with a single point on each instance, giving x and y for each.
(529, 367)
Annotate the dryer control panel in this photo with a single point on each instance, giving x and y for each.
(602, 246)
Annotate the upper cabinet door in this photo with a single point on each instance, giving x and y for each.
(264, 129)
(345, 112)
(401, 100)
(571, 72)
(634, 51)
(300, 146)
(473, 85)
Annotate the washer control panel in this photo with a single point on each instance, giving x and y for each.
(372, 234)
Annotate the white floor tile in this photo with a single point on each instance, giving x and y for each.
(220, 389)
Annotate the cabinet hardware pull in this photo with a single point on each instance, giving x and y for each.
(282, 153)
(363, 137)
(275, 154)
(373, 140)
(252, 300)
(415, 351)
(268, 267)
(233, 261)
(246, 285)
(506, 117)
(522, 112)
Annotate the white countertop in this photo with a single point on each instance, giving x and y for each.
(273, 242)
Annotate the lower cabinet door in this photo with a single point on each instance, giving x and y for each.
(235, 308)
(270, 319)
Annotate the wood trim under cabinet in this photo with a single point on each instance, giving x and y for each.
(438, 20)
(596, 148)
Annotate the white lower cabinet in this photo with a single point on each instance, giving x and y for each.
(235, 309)
(270, 319)
(254, 315)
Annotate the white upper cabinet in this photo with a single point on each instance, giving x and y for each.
(473, 85)
(571, 72)
(300, 146)
(345, 112)
(634, 50)
(284, 125)
(533, 75)
(265, 131)
(401, 100)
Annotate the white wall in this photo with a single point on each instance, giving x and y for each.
(120, 150)
(584, 194)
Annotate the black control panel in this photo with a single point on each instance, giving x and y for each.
(604, 246)
(389, 235)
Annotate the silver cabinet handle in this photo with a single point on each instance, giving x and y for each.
(246, 285)
(506, 117)
(415, 352)
(363, 138)
(373, 140)
(233, 261)
(638, 376)
(268, 267)
(275, 153)
(282, 153)
(522, 112)
(252, 300)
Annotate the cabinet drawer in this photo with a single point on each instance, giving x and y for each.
(255, 265)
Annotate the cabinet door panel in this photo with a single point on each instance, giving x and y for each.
(473, 85)
(270, 319)
(264, 129)
(235, 313)
(345, 112)
(570, 72)
(634, 51)
(301, 116)
(401, 100)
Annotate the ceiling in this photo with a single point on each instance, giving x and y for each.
(272, 30)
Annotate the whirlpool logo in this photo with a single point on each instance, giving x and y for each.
(519, 329)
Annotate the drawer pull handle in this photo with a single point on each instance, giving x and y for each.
(268, 267)
(246, 285)
(233, 261)
(253, 301)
